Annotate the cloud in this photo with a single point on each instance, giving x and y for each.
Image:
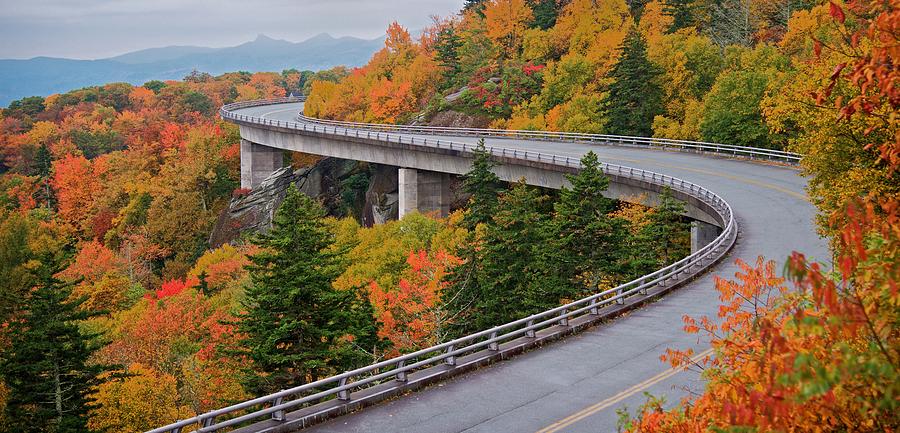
(102, 28)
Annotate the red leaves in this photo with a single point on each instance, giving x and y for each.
(873, 70)
(837, 12)
(530, 69)
(816, 357)
(409, 314)
(174, 287)
(837, 71)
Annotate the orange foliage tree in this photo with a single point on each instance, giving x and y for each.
(826, 355)
(76, 183)
(396, 82)
(410, 315)
(506, 22)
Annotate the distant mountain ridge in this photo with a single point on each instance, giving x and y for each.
(42, 76)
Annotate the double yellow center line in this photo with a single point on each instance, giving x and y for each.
(590, 410)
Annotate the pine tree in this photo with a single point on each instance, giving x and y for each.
(297, 327)
(635, 96)
(636, 8)
(43, 161)
(475, 5)
(545, 13)
(203, 285)
(590, 238)
(682, 13)
(46, 367)
(483, 186)
(666, 238)
(446, 50)
(517, 264)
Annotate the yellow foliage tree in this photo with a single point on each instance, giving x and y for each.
(143, 400)
(506, 22)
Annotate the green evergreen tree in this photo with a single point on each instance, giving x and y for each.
(635, 96)
(447, 54)
(682, 13)
(545, 13)
(636, 8)
(475, 5)
(46, 367)
(43, 161)
(590, 238)
(483, 186)
(297, 327)
(518, 272)
(204, 284)
(666, 238)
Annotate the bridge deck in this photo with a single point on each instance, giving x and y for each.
(579, 382)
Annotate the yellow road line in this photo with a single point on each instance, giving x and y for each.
(741, 179)
(590, 410)
(746, 180)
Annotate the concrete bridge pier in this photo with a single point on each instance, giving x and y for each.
(258, 162)
(702, 234)
(424, 191)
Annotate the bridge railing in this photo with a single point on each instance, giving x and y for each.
(620, 140)
(275, 406)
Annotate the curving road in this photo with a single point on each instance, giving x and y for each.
(578, 383)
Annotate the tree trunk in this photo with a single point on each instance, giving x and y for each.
(57, 390)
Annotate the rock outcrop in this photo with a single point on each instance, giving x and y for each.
(458, 119)
(366, 191)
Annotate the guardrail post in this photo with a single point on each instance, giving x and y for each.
(563, 319)
(620, 300)
(530, 332)
(495, 346)
(278, 415)
(344, 394)
(594, 310)
(401, 375)
(450, 360)
(643, 291)
(207, 422)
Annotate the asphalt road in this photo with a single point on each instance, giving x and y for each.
(577, 384)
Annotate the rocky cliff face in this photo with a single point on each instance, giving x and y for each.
(365, 191)
(382, 197)
(458, 119)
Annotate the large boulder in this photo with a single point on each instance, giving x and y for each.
(457, 119)
(253, 211)
(382, 196)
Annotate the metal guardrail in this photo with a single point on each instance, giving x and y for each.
(274, 406)
(621, 140)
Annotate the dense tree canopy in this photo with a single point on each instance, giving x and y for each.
(297, 327)
(121, 185)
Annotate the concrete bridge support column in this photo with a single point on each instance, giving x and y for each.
(702, 234)
(258, 162)
(424, 191)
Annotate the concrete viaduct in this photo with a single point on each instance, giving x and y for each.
(424, 172)
(742, 208)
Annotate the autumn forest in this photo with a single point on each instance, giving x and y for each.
(119, 311)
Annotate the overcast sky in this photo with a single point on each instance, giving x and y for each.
(90, 29)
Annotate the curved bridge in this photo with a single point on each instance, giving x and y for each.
(578, 383)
